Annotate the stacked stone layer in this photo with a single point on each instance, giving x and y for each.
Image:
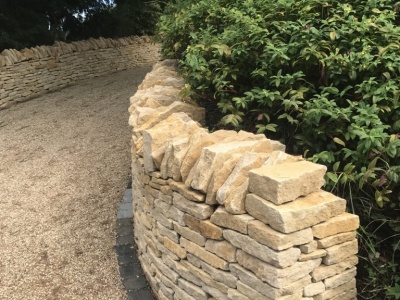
(31, 72)
(229, 215)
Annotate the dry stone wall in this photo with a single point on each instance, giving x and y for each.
(227, 215)
(31, 72)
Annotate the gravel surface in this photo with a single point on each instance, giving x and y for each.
(64, 166)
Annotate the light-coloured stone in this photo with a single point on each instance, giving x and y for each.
(192, 222)
(281, 259)
(223, 249)
(213, 157)
(264, 288)
(236, 295)
(204, 255)
(154, 138)
(224, 277)
(236, 222)
(339, 292)
(192, 289)
(265, 235)
(312, 255)
(172, 147)
(275, 276)
(314, 289)
(233, 191)
(321, 272)
(339, 224)
(182, 269)
(309, 247)
(186, 191)
(175, 248)
(335, 281)
(210, 230)
(199, 210)
(280, 157)
(293, 216)
(182, 295)
(338, 253)
(336, 239)
(248, 291)
(191, 235)
(286, 182)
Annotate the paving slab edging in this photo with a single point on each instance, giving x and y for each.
(131, 272)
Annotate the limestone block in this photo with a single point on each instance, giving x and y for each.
(175, 214)
(280, 157)
(344, 291)
(321, 272)
(165, 232)
(186, 191)
(236, 295)
(233, 191)
(293, 216)
(223, 249)
(191, 235)
(204, 255)
(182, 270)
(175, 248)
(194, 260)
(224, 277)
(336, 239)
(199, 210)
(213, 158)
(338, 253)
(140, 116)
(172, 147)
(273, 275)
(264, 288)
(265, 235)
(192, 222)
(295, 296)
(154, 139)
(205, 278)
(195, 146)
(217, 294)
(309, 247)
(312, 255)
(286, 182)
(280, 259)
(210, 230)
(335, 281)
(236, 222)
(251, 293)
(182, 295)
(194, 112)
(192, 289)
(339, 224)
(313, 289)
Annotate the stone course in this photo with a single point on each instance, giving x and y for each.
(229, 215)
(28, 73)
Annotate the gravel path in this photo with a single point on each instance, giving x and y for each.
(64, 166)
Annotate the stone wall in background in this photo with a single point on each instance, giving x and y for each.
(227, 215)
(31, 72)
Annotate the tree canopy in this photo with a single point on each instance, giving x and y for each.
(27, 23)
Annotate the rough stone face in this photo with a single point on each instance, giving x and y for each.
(279, 157)
(314, 289)
(339, 224)
(213, 158)
(337, 280)
(190, 235)
(275, 276)
(210, 231)
(236, 222)
(154, 139)
(223, 249)
(233, 191)
(321, 272)
(338, 253)
(293, 216)
(186, 192)
(172, 147)
(336, 239)
(265, 235)
(312, 255)
(199, 210)
(342, 292)
(192, 289)
(281, 259)
(286, 182)
(204, 255)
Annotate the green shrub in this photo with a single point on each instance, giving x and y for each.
(322, 77)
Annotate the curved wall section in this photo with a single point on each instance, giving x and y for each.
(227, 215)
(31, 72)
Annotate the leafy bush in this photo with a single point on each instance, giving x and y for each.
(322, 77)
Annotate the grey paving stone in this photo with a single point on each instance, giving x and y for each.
(125, 240)
(142, 294)
(127, 196)
(125, 211)
(131, 270)
(127, 258)
(124, 249)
